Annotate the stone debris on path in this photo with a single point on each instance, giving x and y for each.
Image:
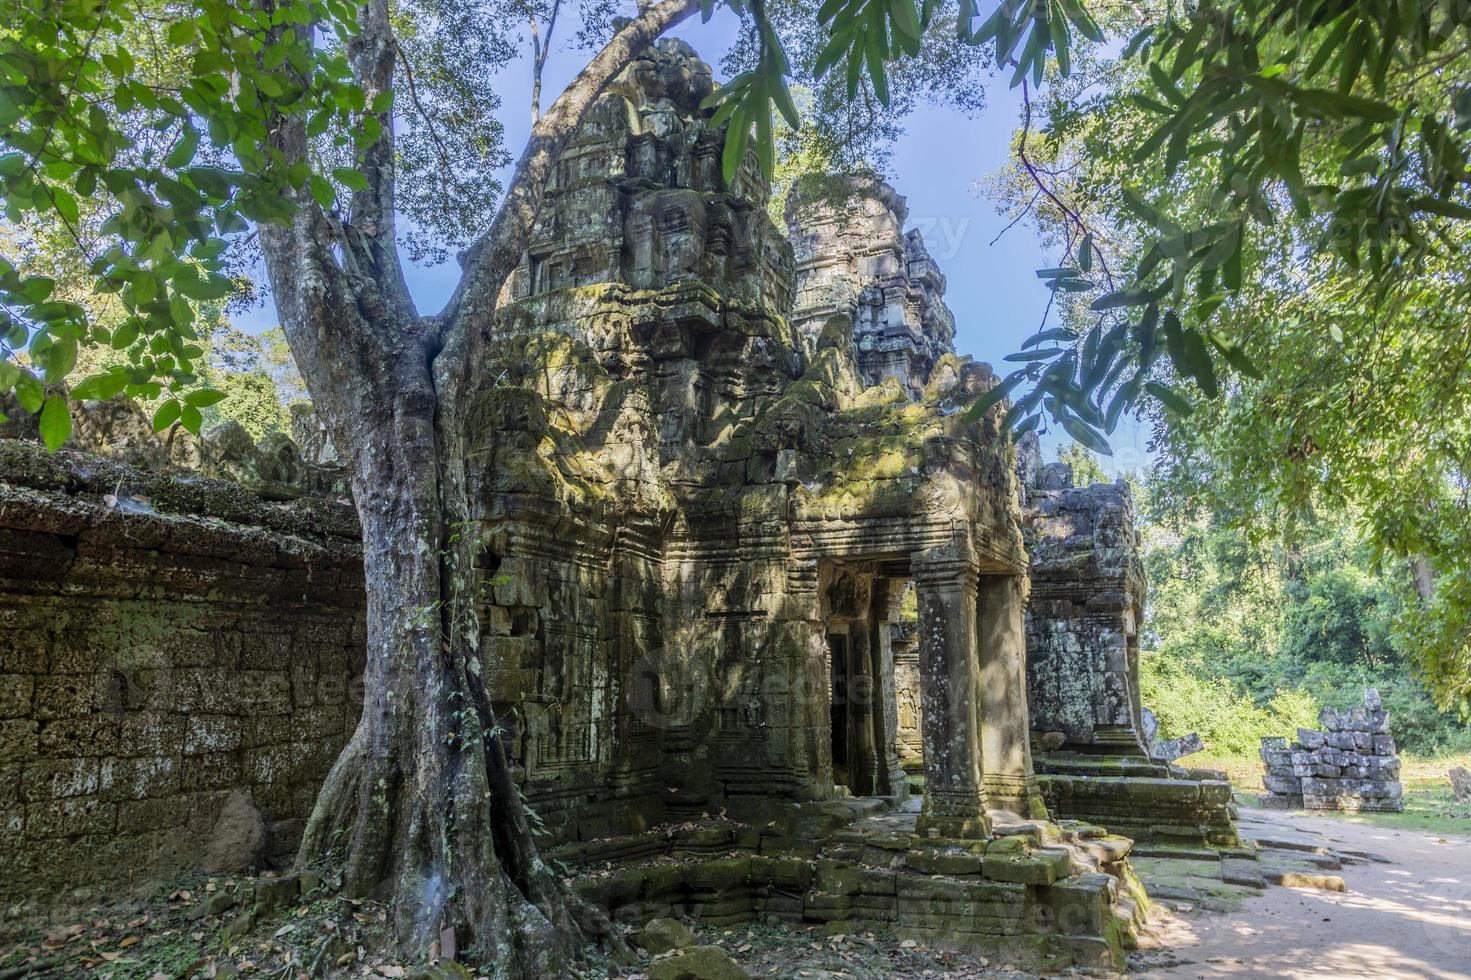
(1350, 765)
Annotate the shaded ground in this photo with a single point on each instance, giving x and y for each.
(809, 954)
(1408, 915)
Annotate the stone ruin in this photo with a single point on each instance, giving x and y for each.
(1096, 753)
(1350, 764)
(749, 577)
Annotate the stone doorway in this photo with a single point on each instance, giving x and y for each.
(863, 712)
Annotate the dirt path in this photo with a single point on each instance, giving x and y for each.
(1408, 916)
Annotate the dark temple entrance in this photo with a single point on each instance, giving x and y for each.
(842, 730)
(861, 602)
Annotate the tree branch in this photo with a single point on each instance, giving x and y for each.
(372, 54)
(1032, 171)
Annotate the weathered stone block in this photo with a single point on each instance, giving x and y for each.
(213, 770)
(50, 779)
(18, 739)
(211, 733)
(88, 735)
(23, 652)
(933, 862)
(65, 696)
(70, 817)
(1040, 867)
(16, 691)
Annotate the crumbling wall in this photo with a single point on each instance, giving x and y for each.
(1084, 614)
(164, 641)
(1348, 765)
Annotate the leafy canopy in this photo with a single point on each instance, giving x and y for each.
(149, 165)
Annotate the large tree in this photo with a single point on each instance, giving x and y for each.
(421, 807)
(157, 137)
(1260, 213)
(424, 784)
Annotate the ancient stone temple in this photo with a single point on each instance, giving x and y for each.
(704, 514)
(744, 564)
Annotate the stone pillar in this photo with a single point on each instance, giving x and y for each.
(886, 597)
(796, 668)
(954, 796)
(1006, 753)
(863, 707)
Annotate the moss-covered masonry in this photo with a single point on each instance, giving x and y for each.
(163, 642)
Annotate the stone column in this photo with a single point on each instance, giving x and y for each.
(863, 707)
(1006, 752)
(886, 596)
(954, 796)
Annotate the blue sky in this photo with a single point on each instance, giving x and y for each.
(993, 289)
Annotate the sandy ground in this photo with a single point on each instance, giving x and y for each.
(1407, 916)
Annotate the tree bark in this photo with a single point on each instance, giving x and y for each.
(421, 808)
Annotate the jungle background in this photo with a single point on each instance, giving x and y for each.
(1248, 635)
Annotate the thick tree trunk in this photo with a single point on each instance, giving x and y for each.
(421, 808)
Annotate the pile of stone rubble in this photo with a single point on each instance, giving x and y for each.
(1349, 765)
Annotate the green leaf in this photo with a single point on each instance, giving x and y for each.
(56, 422)
(1199, 364)
(1053, 333)
(1085, 434)
(1170, 400)
(1121, 297)
(36, 289)
(100, 387)
(204, 397)
(191, 419)
(1085, 253)
(993, 397)
(1235, 356)
(183, 154)
(1034, 355)
(213, 287)
(167, 414)
(323, 191)
(66, 206)
(736, 137)
(905, 19)
(29, 392)
(1446, 209)
(181, 33)
(350, 178)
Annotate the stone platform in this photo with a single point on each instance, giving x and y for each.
(1042, 894)
(1150, 801)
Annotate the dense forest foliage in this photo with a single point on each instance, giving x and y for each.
(1249, 636)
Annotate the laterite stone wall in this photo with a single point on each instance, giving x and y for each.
(163, 642)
